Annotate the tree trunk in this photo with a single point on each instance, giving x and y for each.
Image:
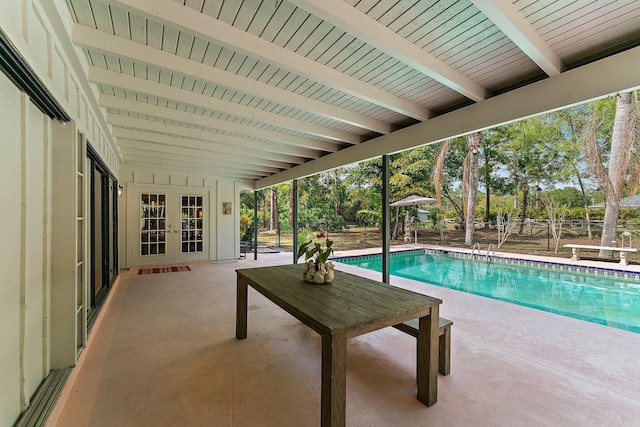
(291, 208)
(396, 225)
(473, 144)
(585, 202)
(487, 206)
(274, 208)
(525, 204)
(618, 162)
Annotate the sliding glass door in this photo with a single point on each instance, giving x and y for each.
(103, 231)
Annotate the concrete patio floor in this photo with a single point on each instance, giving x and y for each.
(163, 353)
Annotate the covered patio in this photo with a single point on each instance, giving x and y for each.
(164, 352)
(130, 128)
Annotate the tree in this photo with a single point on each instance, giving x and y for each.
(315, 213)
(449, 171)
(410, 176)
(573, 122)
(274, 220)
(532, 156)
(556, 212)
(448, 166)
(506, 221)
(624, 137)
(474, 141)
(491, 158)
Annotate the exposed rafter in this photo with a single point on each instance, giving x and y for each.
(207, 28)
(266, 149)
(511, 21)
(206, 149)
(166, 163)
(271, 90)
(110, 101)
(356, 23)
(569, 88)
(160, 152)
(117, 46)
(146, 87)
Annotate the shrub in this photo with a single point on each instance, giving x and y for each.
(245, 227)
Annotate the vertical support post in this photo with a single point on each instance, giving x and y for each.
(385, 219)
(255, 225)
(295, 221)
(548, 239)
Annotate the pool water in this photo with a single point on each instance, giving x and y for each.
(608, 300)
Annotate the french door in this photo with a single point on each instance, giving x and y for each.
(171, 226)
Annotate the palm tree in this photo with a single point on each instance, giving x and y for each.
(471, 178)
(624, 139)
(573, 122)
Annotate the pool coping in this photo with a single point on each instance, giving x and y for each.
(585, 266)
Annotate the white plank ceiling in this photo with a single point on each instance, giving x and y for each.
(268, 90)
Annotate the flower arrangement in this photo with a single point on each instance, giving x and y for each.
(319, 250)
(316, 267)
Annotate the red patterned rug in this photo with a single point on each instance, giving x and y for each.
(163, 269)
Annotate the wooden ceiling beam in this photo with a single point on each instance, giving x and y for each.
(218, 32)
(147, 87)
(161, 167)
(265, 149)
(185, 160)
(513, 24)
(110, 101)
(351, 20)
(201, 148)
(107, 43)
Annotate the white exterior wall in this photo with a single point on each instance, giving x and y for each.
(41, 243)
(224, 230)
(28, 173)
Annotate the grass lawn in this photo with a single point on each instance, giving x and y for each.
(534, 241)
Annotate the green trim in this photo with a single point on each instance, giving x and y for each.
(22, 75)
(44, 399)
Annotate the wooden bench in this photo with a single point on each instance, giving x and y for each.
(444, 344)
(575, 251)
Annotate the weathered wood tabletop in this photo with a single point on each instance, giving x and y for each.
(349, 306)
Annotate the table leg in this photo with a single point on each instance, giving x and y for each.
(427, 360)
(333, 400)
(241, 309)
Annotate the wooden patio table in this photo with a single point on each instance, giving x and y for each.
(349, 306)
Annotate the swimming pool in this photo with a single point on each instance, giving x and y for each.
(604, 298)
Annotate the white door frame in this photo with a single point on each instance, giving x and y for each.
(172, 230)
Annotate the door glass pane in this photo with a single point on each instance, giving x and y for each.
(152, 224)
(191, 220)
(98, 223)
(111, 231)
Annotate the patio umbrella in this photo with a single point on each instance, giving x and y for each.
(413, 201)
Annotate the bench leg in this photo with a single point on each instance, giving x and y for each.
(623, 258)
(575, 254)
(444, 352)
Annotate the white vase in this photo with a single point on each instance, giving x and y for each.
(318, 273)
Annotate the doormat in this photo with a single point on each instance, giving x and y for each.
(163, 269)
